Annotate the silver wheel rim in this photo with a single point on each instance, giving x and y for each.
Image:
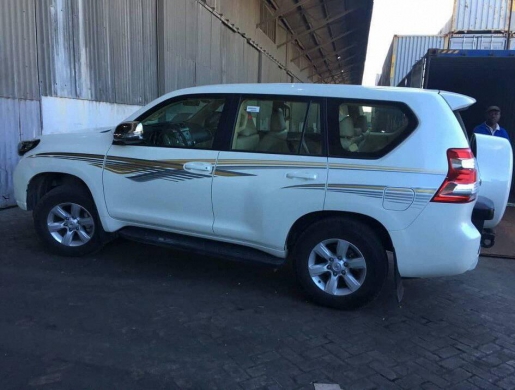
(70, 224)
(337, 267)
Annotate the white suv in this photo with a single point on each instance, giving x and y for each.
(329, 177)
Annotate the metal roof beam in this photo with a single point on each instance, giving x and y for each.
(305, 52)
(279, 13)
(324, 23)
(324, 59)
(329, 29)
(345, 73)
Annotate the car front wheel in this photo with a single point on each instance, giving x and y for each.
(340, 263)
(67, 222)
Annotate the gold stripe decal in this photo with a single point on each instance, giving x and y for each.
(379, 168)
(141, 170)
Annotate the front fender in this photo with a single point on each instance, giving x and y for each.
(87, 168)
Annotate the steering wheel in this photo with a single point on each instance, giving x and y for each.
(212, 122)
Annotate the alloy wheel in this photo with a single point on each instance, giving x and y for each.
(70, 224)
(337, 267)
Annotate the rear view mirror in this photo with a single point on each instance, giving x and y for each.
(128, 133)
(191, 103)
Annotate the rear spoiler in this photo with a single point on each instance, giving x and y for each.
(457, 101)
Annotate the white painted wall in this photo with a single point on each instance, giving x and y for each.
(62, 115)
(20, 121)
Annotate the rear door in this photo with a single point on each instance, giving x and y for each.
(273, 171)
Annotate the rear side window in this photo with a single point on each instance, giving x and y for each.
(366, 129)
(278, 126)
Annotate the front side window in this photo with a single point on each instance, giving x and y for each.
(184, 123)
(367, 129)
(278, 126)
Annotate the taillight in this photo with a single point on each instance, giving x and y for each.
(460, 185)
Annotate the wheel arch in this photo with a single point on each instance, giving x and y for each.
(305, 221)
(42, 183)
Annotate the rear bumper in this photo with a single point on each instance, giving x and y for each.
(442, 241)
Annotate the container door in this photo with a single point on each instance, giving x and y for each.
(462, 42)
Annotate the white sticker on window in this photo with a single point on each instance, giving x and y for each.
(252, 108)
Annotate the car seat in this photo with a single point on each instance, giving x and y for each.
(347, 134)
(275, 140)
(246, 135)
(361, 124)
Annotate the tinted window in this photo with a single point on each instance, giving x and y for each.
(278, 126)
(184, 123)
(367, 129)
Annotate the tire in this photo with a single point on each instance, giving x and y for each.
(66, 221)
(340, 263)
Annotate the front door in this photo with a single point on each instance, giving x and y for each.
(165, 180)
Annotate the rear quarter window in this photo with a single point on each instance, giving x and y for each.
(367, 129)
(462, 124)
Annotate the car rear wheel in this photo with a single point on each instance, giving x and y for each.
(340, 263)
(67, 222)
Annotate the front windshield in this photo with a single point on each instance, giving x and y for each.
(176, 112)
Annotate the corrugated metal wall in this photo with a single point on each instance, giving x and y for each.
(19, 87)
(18, 56)
(123, 52)
(202, 50)
(476, 15)
(209, 66)
(404, 52)
(410, 49)
(104, 50)
(243, 15)
(20, 120)
(107, 50)
(272, 73)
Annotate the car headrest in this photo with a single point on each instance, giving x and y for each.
(277, 122)
(242, 121)
(346, 127)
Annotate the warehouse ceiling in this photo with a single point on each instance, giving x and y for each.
(332, 35)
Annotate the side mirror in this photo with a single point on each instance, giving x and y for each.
(128, 133)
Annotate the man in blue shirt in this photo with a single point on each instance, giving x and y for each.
(491, 125)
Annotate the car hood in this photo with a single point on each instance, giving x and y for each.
(95, 141)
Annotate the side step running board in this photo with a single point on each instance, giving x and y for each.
(199, 245)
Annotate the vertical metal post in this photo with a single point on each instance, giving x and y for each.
(260, 67)
(160, 40)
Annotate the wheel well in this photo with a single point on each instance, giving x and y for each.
(302, 224)
(41, 184)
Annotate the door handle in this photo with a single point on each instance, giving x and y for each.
(302, 175)
(198, 166)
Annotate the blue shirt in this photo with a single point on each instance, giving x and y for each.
(483, 128)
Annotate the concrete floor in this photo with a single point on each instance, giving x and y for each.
(142, 317)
